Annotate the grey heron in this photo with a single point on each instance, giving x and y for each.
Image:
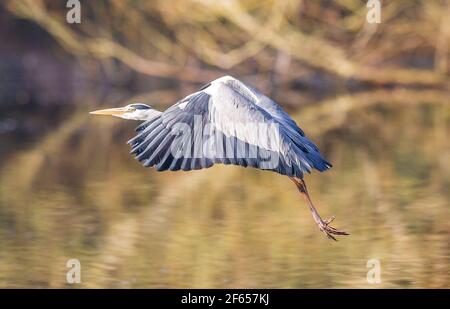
(226, 122)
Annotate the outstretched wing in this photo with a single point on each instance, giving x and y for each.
(223, 123)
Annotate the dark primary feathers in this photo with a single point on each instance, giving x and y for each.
(229, 115)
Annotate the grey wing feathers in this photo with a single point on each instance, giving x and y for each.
(157, 142)
(295, 148)
(219, 110)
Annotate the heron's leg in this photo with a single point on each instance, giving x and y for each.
(323, 224)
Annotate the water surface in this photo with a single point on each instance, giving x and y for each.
(73, 191)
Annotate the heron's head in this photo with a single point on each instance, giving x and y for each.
(134, 111)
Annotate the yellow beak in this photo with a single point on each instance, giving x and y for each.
(110, 111)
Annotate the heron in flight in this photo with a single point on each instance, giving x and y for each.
(226, 122)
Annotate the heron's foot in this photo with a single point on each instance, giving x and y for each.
(324, 226)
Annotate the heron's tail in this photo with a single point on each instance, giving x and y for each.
(311, 154)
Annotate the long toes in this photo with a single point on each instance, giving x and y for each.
(337, 232)
(328, 230)
(328, 221)
(331, 229)
(334, 231)
(329, 235)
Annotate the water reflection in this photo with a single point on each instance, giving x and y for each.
(77, 193)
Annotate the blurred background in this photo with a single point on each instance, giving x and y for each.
(375, 97)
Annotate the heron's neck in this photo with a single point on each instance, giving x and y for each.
(143, 115)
